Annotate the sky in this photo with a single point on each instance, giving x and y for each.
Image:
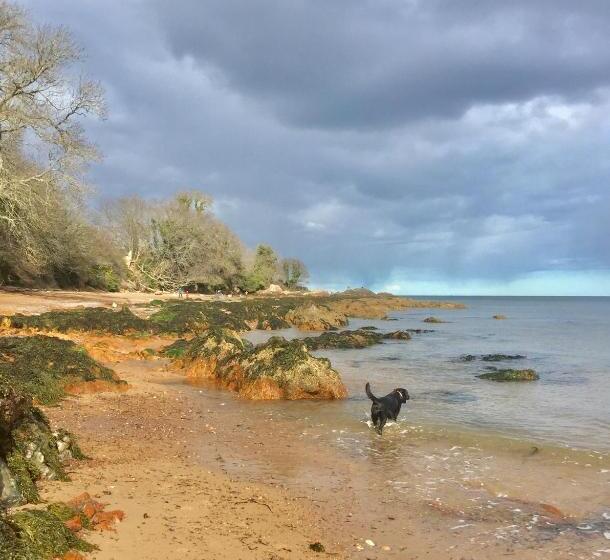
(424, 147)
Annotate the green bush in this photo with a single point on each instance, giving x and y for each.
(104, 277)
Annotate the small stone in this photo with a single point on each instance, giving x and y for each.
(369, 542)
(385, 547)
(607, 535)
(317, 547)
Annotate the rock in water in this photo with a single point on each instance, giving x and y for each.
(510, 375)
(360, 338)
(314, 317)
(281, 369)
(433, 320)
(278, 369)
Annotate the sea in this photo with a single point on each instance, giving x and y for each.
(566, 340)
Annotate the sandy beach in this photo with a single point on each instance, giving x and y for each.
(201, 473)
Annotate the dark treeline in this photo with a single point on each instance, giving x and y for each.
(49, 236)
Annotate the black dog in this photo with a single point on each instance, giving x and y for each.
(386, 408)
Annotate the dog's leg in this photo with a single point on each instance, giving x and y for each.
(381, 420)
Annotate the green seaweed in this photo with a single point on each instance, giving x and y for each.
(41, 535)
(28, 446)
(285, 355)
(176, 349)
(510, 375)
(64, 512)
(88, 319)
(24, 475)
(42, 366)
(360, 338)
(501, 357)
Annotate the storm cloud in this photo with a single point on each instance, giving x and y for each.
(389, 143)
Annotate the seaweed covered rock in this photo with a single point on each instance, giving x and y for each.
(360, 338)
(491, 357)
(213, 353)
(47, 368)
(88, 319)
(281, 369)
(37, 535)
(29, 450)
(397, 335)
(509, 375)
(501, 357)
(433, 320)
(278, 369)
(182, 317)
(343, 340)
(315, 317)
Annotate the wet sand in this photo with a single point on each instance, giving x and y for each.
(222, 478)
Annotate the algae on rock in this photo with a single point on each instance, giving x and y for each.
(45, 367)
(37, 535)
(88, 319)
(315, 317)
(509, 375)
(29, 450)
(277, 369)
(360, 338)
(281, 369)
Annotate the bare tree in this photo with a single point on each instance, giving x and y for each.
(43, 150)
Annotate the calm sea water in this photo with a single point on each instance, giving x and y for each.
(566, 340)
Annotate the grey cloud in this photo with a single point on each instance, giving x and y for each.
(453, 140)
(371, 63)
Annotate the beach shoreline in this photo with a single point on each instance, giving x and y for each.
(202, 473)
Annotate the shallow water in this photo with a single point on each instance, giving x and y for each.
(467, 457)
(566, 340)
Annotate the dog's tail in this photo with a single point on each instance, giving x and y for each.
(370, 395)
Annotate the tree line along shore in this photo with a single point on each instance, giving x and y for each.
(50, 234)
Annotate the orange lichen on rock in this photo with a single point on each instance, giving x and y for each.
(94, 511)
(75, 524)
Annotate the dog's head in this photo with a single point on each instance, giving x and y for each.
(403, 394)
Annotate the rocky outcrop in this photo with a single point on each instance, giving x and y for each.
(433, 320)
(495, 374)
(281, 369)
(88, 319)
(315, 317)
(213, 354)
(360, 338)
(47, 368)
(278, 369)
(491, 357)
(29, 450)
